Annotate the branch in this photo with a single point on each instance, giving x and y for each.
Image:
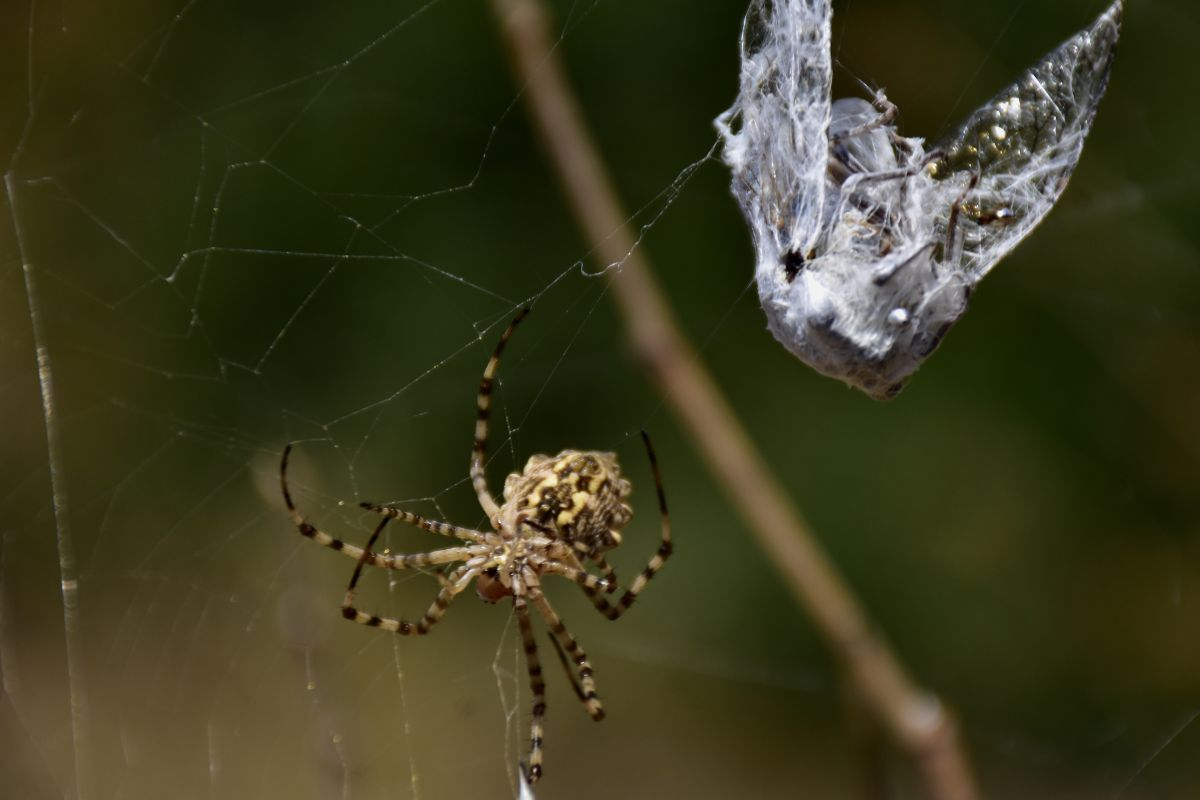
(915, 719)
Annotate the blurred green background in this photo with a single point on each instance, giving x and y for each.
(254, 223)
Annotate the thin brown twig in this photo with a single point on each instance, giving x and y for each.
(915, 719)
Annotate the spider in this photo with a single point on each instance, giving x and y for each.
(557, 513)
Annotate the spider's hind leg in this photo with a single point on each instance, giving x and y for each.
(606, 570)
(665, 548)
(586, 689)
(537, 683)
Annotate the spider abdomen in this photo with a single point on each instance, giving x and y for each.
(576, 495)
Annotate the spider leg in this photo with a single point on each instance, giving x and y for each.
(431, 525)
(307, 529)
(657, 560)
(607, 571)
(455, 583)
(431, 559)
(537, 683)
(589, 582)
(552, 562)
(446, 555)
(483, 403)
(587, 684)
(388, 561)
(566, 665)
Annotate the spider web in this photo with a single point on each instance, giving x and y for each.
(229, 226)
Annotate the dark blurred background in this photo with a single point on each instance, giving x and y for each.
(248, 224)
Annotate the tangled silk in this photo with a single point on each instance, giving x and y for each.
(867, 243)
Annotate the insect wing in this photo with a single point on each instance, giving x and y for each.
(1011, 159)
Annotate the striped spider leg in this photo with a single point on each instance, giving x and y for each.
(559, 514)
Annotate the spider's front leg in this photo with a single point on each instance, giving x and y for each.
(458, 580)
(483, 404)
(416, 560)
(431, 525)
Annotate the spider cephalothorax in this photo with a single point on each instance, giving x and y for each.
(558, 513)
